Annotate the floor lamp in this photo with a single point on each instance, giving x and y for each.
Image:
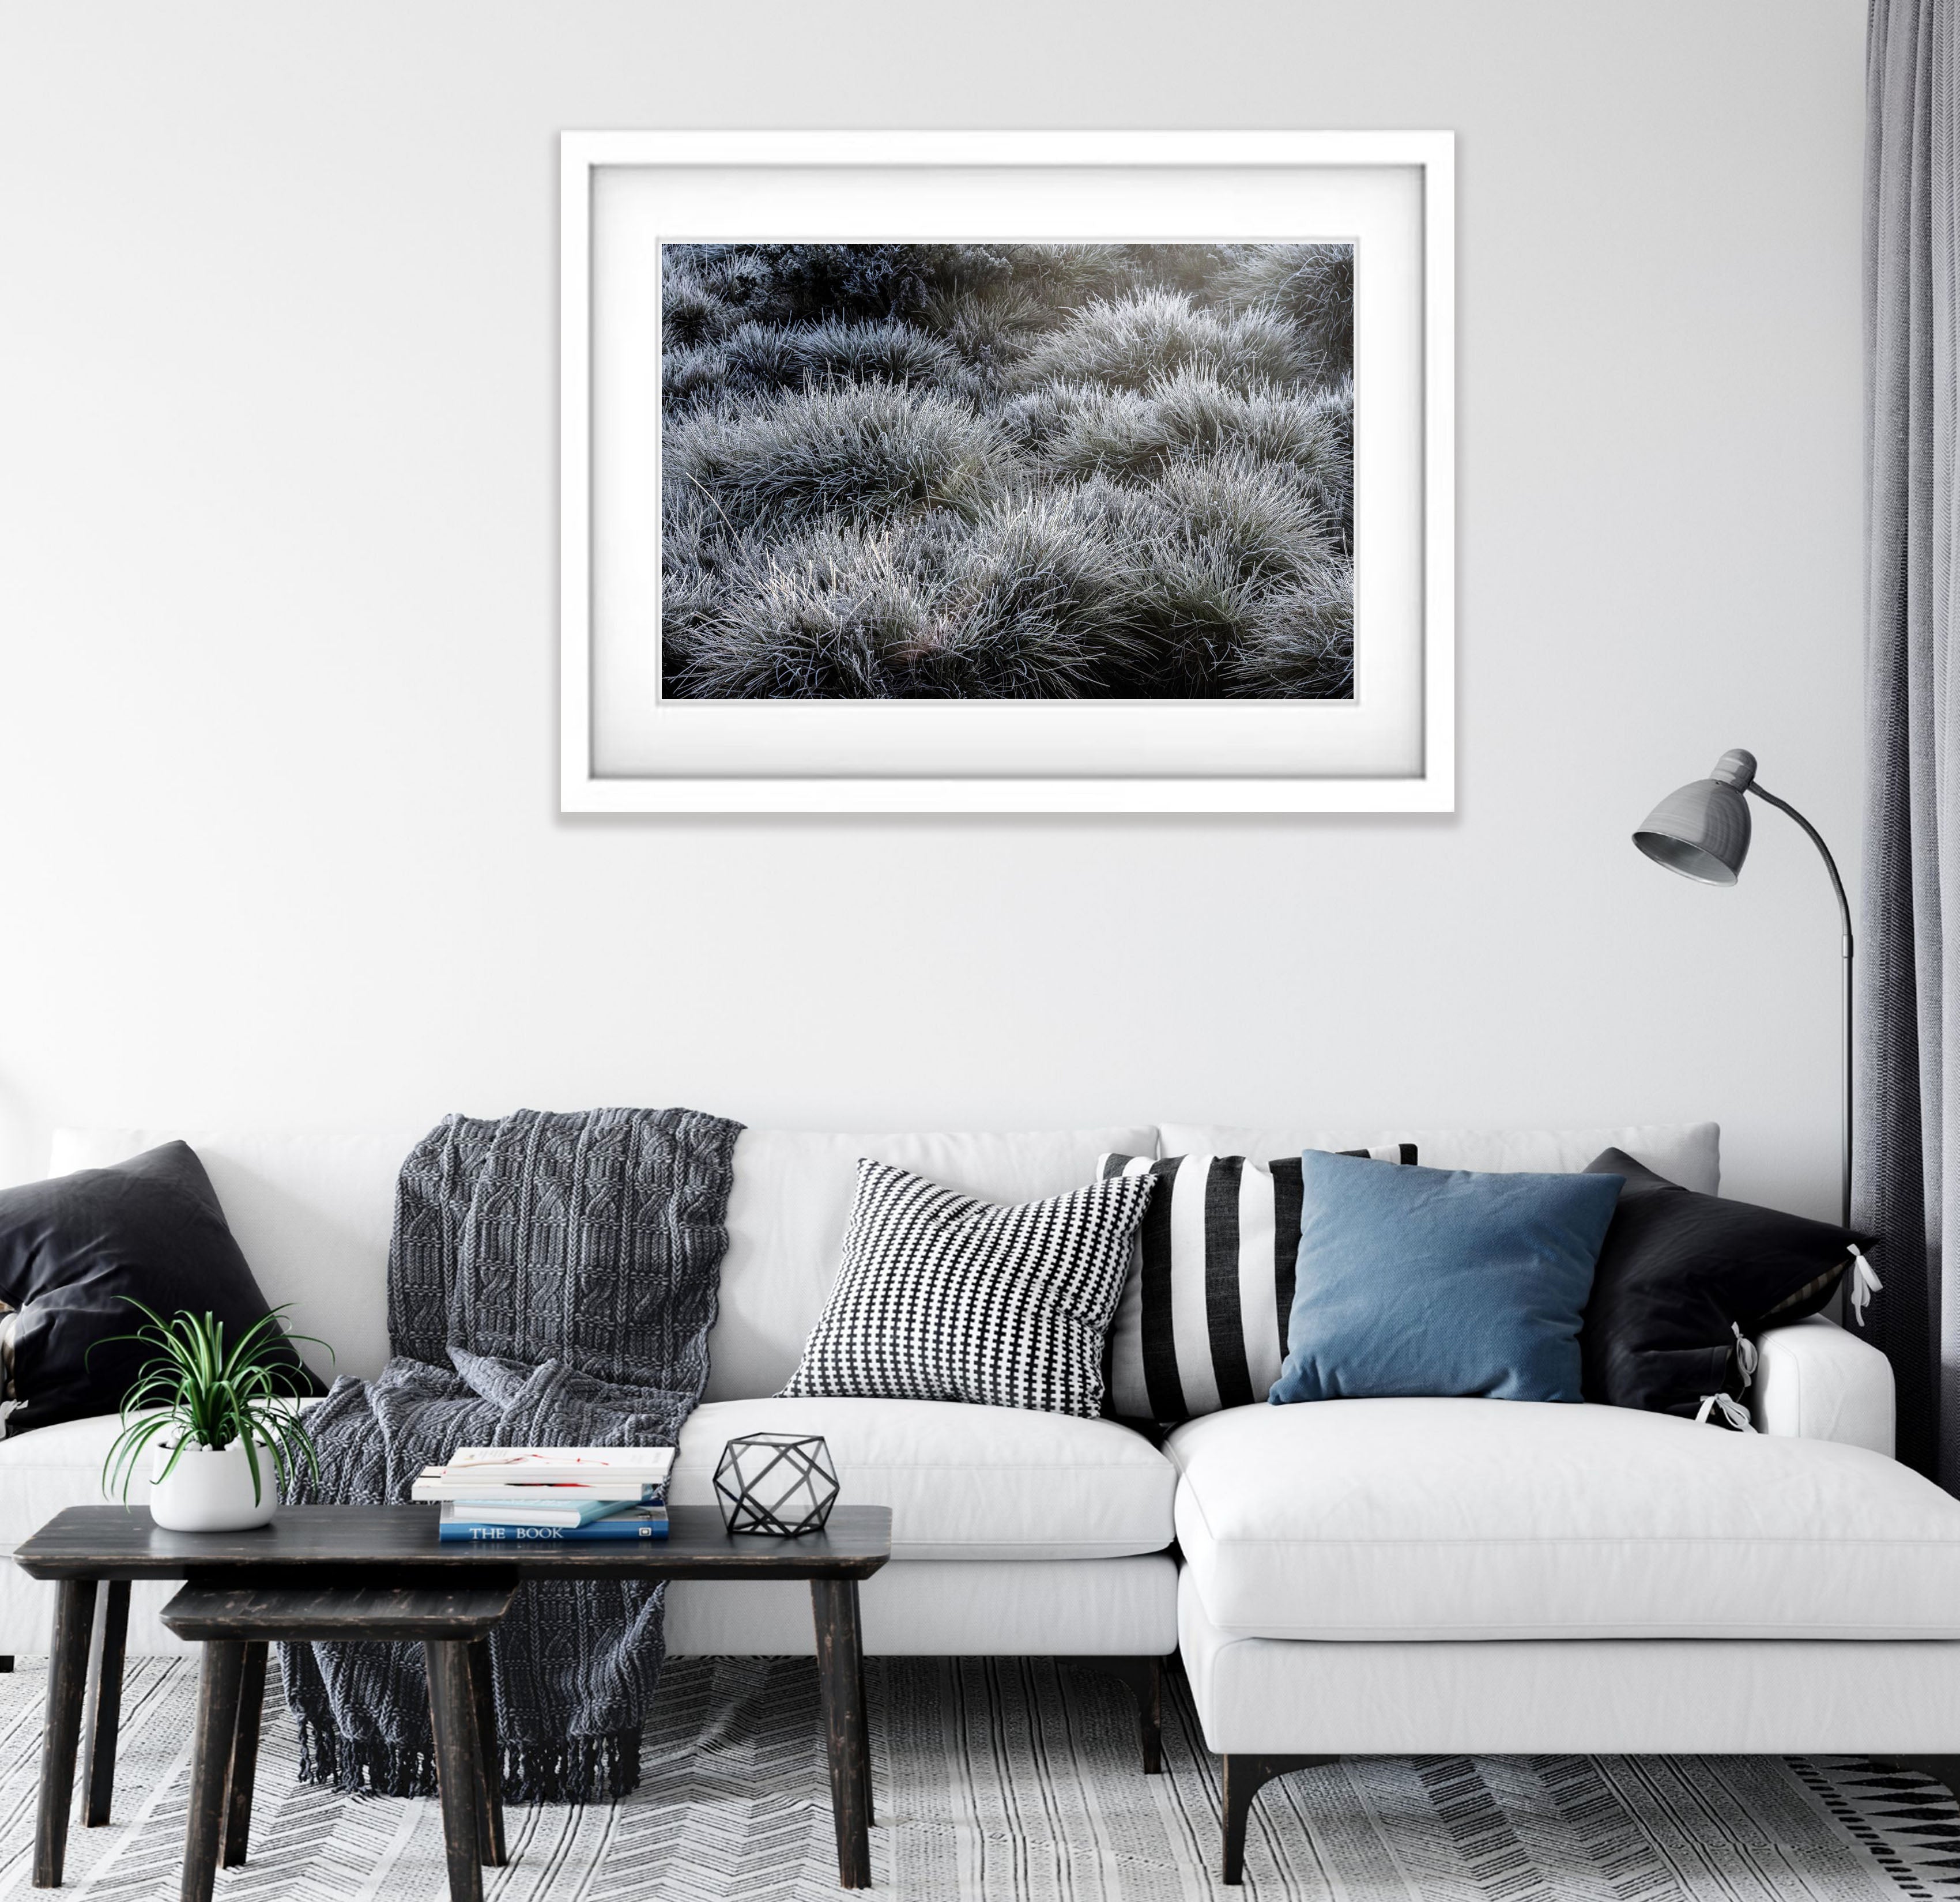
(1702, 831)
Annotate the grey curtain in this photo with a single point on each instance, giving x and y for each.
(1909, 1068)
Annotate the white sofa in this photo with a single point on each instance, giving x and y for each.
(1357, 1577)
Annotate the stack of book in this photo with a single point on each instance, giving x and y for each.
(492, 1492)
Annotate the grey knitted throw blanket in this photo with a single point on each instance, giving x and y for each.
(551, 1280)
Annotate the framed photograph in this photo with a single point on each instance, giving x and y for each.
(1007, 472)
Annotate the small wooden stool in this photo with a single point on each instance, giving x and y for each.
(236, 1616)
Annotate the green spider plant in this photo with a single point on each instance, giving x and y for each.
(199, 1392)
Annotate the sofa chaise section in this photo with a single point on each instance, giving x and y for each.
(1441, 1520)
(1488, 1576)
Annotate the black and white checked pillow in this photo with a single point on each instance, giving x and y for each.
(943, 1297)
(1201, 1322)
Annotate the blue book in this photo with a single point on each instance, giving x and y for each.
(635, 1522)
(499, 1509)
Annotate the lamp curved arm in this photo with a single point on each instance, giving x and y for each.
(1844, 914)
(1817, 839)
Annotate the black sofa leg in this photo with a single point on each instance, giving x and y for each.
(6, 1663)
(1145, 1677)
(1942, 1770)
(1244, 1777)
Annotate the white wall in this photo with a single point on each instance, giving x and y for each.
(278, 835)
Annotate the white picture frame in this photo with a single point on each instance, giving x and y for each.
(1391, 749)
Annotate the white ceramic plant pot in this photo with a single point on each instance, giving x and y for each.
(211, 1492)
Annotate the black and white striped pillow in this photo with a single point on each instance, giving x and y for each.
(1201, 1322)
(943, 1297)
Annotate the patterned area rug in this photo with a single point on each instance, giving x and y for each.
(1001, 1779)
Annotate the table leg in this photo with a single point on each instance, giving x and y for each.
(864, 1739)
(453, 1712)
(242, 1767)
(68, 1678)
(840, 1667)
(105, 1701)
(217, 1695)
(489, 1759)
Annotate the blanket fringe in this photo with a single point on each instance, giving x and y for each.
(581, 1769)
(363, 1766)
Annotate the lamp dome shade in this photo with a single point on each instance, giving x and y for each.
(1702, 831)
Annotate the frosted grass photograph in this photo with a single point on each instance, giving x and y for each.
(1020, 471)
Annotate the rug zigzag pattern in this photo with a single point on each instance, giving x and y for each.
(1013, 1780)
(1906, 1820)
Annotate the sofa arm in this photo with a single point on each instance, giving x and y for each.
(1816, 1380)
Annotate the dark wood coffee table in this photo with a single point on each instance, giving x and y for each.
(87, 1546)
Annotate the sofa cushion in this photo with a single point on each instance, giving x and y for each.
(962, 1482)
(45, 1471)
(1685, 1152)
(1452, 1519)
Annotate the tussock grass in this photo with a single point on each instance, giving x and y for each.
(1036, 605)
(755, 359)
(862, 452)
(1333, 411)
(1195, 552)
(1134, 341)
(825, 617)
(1012, 607)
(1300, 641)
(691, 374)
(1081, 431)
(761, 357)
(1020, 470)
(1078, 431)
(1312, 284)
(1058, 277)
(707, 290)
(1244, 513)
(691, 314)
(990, 330)
(1190, 612)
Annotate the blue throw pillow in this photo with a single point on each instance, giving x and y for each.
(1440, 1281)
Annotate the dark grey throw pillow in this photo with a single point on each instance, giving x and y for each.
(74, 1249)
(1683, 1278)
